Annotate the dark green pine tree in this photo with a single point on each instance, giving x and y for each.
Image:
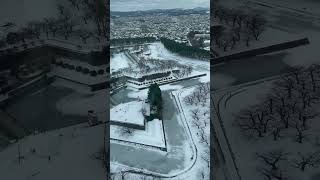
(155, 98)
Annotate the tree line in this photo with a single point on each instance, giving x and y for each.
(64, 24)
(184, 50)
(290, 105)
(288, 110)
(131, 41)
(236, 26)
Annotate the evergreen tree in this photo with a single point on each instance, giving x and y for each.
(185, 50)
(155, 99)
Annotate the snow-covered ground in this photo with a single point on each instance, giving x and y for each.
(291, 18)
(245, 149)
(130, 113)
(82, 100)
(269, 36)
(153, 135)
(158, 51)
(118, 61)
(200, 135)
(68, 153)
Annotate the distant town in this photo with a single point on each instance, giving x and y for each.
(176, 24)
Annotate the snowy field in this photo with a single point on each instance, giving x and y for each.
(270, 32)
(153, 135)
(118, 61)
(246, 148)
(82, 100)
(269, 37)
(158, 51)
(130, 113)
(68, 153)
(296, 18)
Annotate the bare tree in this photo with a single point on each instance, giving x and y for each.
(300, 132)
(253, 121)
(270, 174)
(61, 8)
(273, 158)
(225, 41)
(203, 136)
(247, 37)
(75, 3)
(296, 72)
(206, 157)
(307, 160)
(287, 83)
(276, 128)
(126, 131)
(312, 73)
(188, 100)
(52, 24)
(196, 121)
(84, 35)
(256, 26)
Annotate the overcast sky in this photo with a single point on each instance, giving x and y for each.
(134, 5)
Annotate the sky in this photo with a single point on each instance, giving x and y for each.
(134, 5)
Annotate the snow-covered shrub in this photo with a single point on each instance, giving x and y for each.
(126, 131)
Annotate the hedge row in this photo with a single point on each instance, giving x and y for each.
(84, 70)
